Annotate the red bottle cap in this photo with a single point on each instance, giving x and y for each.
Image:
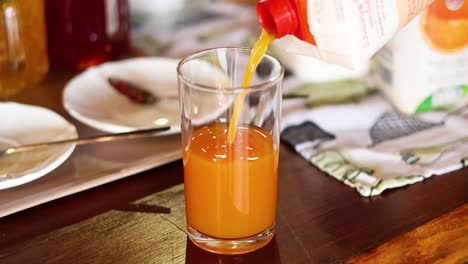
(277, 17)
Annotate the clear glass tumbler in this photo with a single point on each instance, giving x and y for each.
(230, 188)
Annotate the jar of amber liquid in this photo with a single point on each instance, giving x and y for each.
(23, 48)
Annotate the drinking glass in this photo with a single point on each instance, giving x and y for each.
(230, 188)
(23, 48)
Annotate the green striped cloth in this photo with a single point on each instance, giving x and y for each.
(369, 146)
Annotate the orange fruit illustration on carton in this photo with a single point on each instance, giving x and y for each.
(443, 29)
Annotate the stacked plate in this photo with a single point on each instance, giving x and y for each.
(25, 124)
(91, 99)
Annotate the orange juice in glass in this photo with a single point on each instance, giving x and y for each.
(230, 187)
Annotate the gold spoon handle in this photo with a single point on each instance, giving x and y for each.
(94, 139)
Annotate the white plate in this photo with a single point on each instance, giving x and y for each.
(25, 124)
(89, 98)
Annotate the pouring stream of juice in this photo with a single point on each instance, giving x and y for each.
(256, 56)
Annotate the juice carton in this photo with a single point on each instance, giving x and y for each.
(425, 66)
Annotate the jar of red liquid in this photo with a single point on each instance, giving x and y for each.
(83, 33)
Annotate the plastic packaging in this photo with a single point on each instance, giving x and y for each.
(339, 32)
(311, 69)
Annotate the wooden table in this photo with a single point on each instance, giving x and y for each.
(140, 219)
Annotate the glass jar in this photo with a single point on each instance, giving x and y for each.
(83, 33)
(23, 49)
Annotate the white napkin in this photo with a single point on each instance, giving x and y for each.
(371, 147)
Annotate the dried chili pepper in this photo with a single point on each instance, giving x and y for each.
(132, 91)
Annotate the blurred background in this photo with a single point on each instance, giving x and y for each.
(39, 36)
